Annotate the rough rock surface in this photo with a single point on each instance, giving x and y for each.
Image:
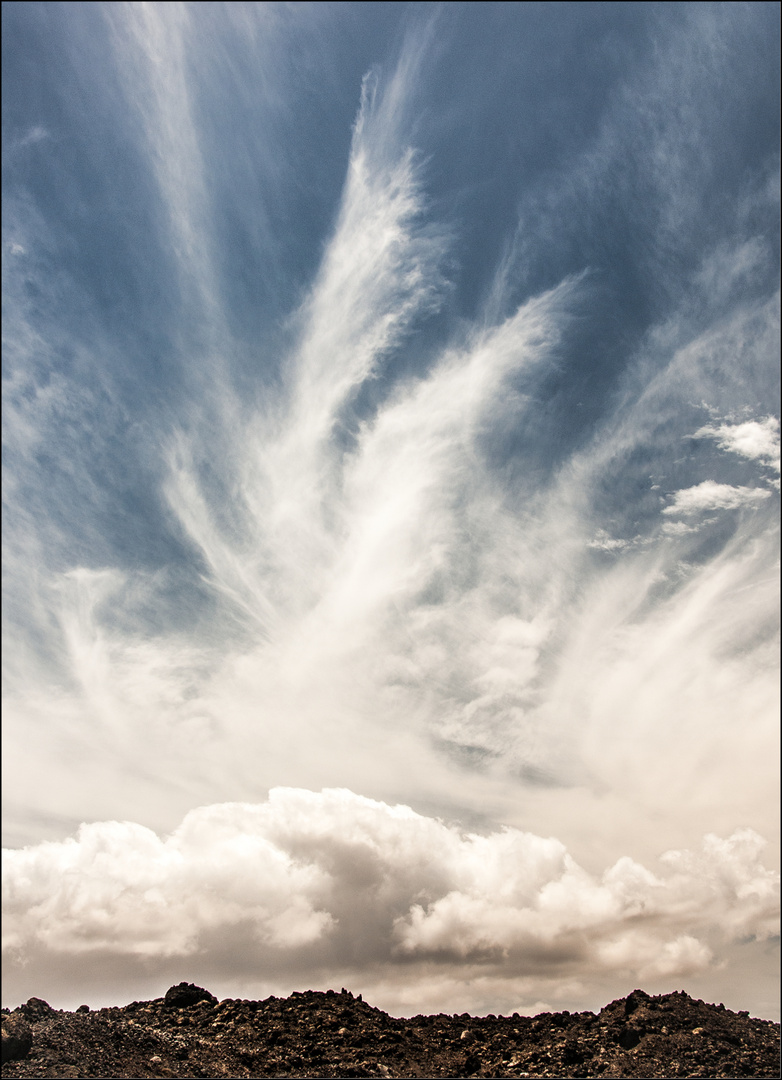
(337, 1035)
(17, 1038)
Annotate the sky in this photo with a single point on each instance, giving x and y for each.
(391, 502)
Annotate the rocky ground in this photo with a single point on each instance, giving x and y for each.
(189, 1033)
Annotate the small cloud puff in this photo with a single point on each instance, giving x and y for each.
(681, 528)
(710, 495)
(333, 880)
(602, 541)
(35, 135)
(754, 439)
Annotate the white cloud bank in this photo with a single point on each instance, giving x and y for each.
(348, 883)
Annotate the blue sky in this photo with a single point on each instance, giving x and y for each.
(391, 501)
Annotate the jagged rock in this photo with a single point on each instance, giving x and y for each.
(634, 1000)
(185, 994)
(36, 1008)
(17, 1038)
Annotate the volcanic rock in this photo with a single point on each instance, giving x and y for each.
(189, 1034)
(36, 1009)
(184, 994)
(17, 1038)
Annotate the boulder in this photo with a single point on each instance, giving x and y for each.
(36, 1009)
(184, 994)
(17, 1038)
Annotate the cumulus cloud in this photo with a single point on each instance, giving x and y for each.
(709, 495)
(754, 439)
(352, 882)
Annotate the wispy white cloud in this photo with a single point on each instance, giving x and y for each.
(391, 579)
(150, 41)
(380, 274)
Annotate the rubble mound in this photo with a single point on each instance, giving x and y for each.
(189, 1033)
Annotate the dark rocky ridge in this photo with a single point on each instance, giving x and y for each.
(189, 1033)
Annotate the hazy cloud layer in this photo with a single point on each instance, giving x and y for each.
(372, 425)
